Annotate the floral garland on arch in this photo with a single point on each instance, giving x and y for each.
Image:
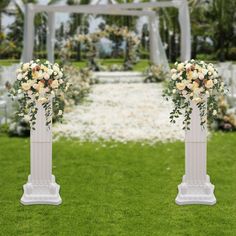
(198, 82)
(39, 83)
(89, 41)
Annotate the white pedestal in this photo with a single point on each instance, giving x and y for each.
(41, 187)
(195, 187)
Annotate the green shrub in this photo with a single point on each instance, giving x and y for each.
(232, 54)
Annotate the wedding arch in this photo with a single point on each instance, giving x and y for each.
(41, 187)
(157, 52)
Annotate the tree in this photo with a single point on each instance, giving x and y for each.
(3, 5)
(76, 21)
(222, 15)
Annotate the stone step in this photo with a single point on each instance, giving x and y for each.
(119, 77)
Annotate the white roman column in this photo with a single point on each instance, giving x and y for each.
(41, 187)
(196, 187)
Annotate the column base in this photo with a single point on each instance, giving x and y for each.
(196, 193)
(41, 193)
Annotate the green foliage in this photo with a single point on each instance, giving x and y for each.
(4, 128)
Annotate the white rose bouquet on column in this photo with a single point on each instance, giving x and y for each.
(194, 81)
(39, 82)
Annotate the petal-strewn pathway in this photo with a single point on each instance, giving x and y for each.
(122, 112)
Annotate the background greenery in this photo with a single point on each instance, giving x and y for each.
(118, 189)
(213, 30)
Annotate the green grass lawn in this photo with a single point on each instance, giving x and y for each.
(118, 189)
(140, 66)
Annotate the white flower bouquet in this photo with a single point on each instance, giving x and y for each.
(39, 83)
(197, 82)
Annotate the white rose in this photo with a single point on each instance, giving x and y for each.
(61, 81)
(204, 71)
(210, 68)
(173, 71)
(27, 118)
(50, 71)
(19, 76)
(33, 65)
(60, 112)
(214, 113)
(40, 75)
(60, 74)
(56, 68)
(174, 76)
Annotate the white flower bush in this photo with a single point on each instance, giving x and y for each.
(39, 82)
(198, 82)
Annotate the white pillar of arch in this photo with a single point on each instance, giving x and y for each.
(41, 187)
(28, 42)
(51, 36)
(196, 187)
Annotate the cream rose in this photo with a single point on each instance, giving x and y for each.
(180, 86)
(180, 66)
(25, 66)
(42, 100)
(55, 84)
(197, 100)
(209, 84)
(25, 86)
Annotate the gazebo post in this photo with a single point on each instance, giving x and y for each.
(196, 187)
(41, 187)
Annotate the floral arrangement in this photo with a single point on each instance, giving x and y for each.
(81, 80)
(198, 82)
(154, 74)
(89, 42)
(226, 117)
(39, 82)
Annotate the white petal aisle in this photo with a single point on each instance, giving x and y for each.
(122, 112)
